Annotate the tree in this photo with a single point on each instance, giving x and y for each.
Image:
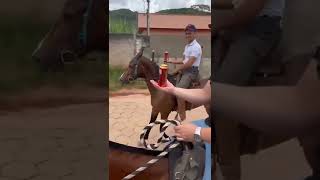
(201, 7)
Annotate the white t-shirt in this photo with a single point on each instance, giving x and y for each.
(192, 49)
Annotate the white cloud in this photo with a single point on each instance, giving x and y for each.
(155, 5)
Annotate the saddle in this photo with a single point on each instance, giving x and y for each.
(194, 84)
(271, 70)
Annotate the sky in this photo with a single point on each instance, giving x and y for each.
(155, 5)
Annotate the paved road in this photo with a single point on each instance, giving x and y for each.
(62, 143)
(128, 115)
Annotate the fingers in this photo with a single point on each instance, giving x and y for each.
(177, 128)
(180, 139)
(155, 84)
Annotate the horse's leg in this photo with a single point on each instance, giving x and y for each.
(154, 115)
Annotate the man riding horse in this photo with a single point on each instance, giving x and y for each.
(243, 40)
(190, 65)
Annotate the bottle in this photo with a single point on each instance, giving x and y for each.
(166, 57)
(163, 75)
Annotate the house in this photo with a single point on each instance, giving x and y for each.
(172, 24)
(167, 33)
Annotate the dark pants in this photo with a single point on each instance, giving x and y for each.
(237, 56)
(187, 77)
(244, 50)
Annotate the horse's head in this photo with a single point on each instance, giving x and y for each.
(132, 71)
(140, 67)
(75, 33)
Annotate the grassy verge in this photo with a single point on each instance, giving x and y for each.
(114, 83)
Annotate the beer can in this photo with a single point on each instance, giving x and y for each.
(163, 75)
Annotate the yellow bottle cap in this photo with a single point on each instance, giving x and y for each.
(164, 66)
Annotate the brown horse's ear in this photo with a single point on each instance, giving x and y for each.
(140, 53)
(152, 56)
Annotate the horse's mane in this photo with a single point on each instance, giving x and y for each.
(121, 147)
(156, 67)
(151, 64)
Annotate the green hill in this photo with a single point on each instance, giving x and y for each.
(125, 20)
(188, 11)
(122, 21)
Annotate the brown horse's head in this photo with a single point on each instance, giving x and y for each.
(140, 67)
(74, 34)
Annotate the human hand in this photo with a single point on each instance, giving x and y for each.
(185, 132)
(168, 89)
(175, 72)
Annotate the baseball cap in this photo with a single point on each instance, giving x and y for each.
(191, 28)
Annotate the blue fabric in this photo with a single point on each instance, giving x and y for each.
(207, 170)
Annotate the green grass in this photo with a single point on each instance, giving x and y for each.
(121, 26)
(114, 83)
(19, 72)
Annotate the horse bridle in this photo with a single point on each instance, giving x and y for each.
(83, 34)
(135, 72)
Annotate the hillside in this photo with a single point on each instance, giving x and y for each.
(189, 11)
(125, 20)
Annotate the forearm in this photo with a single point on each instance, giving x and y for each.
(194, 96)
(206, 134)
(283, 110)
(185, 66)
(176, 61)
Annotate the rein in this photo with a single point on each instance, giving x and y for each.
(173, 143)
(84, 30)
(83, 35)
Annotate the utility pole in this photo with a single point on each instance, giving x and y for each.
(148, 19)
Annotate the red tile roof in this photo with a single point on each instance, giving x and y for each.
(159, 21)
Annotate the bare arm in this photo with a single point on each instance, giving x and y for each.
(176, 61)
(283, 110)
(195, 96)
(206, 134)
(187, 65)
(244, 13)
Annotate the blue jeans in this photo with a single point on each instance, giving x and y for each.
(207, 170)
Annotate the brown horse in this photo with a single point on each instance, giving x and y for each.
(82, 27)
(163, 103)
(123, 160)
